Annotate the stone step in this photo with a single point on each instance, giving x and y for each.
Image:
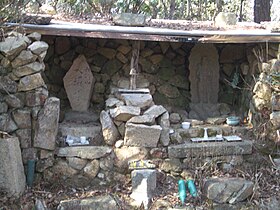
(91, 130)
(208, 149)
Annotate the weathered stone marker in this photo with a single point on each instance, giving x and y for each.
(79, 83)
(204, 78)
(12, 177)
(143, 186)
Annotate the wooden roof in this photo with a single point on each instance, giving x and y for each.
(236, 35)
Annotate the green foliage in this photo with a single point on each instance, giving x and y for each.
(163, 9)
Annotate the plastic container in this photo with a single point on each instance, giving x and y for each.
(186, 125)
(233, 120)
(182, 191)
(30, 172)
(192, 188)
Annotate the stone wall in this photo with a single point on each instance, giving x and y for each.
(163, 66)
(265, 102)
(164, 70)
(26, 110)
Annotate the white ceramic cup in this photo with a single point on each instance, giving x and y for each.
(186, 125)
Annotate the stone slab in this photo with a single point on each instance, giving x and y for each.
(93, 203)
(124, 113)
(109, 130)
(79, 83)
(31, 82)
(12, 177)
(129, 19)
(155, 111)
(142, 135)
(88, 152)
(138, 100)
(227, 190)
(47, 124)
(205, 149)
(79, 129)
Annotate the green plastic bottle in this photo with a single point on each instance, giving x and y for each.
(182, 191)
(192, 188)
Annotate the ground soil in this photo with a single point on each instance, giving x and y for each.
(258, 167)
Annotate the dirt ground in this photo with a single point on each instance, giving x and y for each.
(258, 167)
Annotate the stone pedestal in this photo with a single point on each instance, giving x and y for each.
(143, 186)
(12, 177)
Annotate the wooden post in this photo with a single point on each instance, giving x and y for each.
(134, 64)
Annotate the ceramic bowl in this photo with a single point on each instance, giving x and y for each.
(186, 125)
(233, 120)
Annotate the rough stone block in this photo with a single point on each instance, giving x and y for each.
(155, 111)
(12, 177)
(31, 82)
(22, 117)
(125, 154)
(29, 69)
(13, 101)
(89, 152)
(228, 190)
(47, 124)
(223, 19)
(142, 135)
(79, 83)
(38, 47)
(143, 119)
(109, 130)
(138, 100)
(143, 185)
(129, 19)
(36, 97)
(275, 102)
(275, 119)
(12, 46)
(124, 113)
(7, 85)
(205, 149)
(94, 203)
(7, 124)
(24, 136)
(23, 58)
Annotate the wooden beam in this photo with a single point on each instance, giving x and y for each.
(238, 39)
(112, 35)
(160, 38)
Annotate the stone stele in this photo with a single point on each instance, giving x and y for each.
(79, 83)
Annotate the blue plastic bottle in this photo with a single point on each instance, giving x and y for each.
(182, 191)
(30, 172)
(192, 188)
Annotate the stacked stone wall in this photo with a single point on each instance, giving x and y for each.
(26, 110)
(264, 105)
(163, 68)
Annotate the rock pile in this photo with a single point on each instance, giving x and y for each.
(265, 103)
(26, 110)
(133, 116)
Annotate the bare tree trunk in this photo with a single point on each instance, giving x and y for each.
(172, 9)
(262, 11)
(188, 8)
(182, 9)
(241, 11)
(164, 9)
